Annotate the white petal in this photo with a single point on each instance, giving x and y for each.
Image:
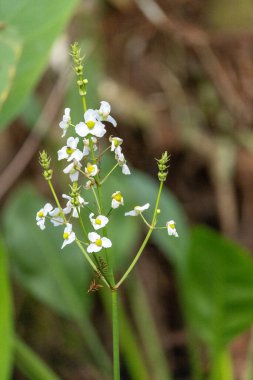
(77, 155)
(48, 207)
(131, 213)
(93, 248)
(125, 170)
(74, 176)
(111, 120)
(72, 142)
(106, 242)
(115, 204)
(62, 153)
(93, 236)
(82, 129)
(98, 130)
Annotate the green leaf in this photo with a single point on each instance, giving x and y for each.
(6, 317)
(218, 288)
(10, 50)
(38, 24)
(57, 277)
(30, 364)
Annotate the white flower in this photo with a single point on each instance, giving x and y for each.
(171, 228)
(137, 210)
(99, 222)
(119, 156)
(91, 170)
(68, 235)
(41, 215)
(97, 242)
(117, 199)
(89, 184)
(70, 151)
(57, 218)
(72, 170)
(115, 144)
(66, 120)
(90, 125)
(71, 208)
(86, 148)
(104, 113)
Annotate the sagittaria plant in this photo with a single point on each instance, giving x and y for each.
(83, 152)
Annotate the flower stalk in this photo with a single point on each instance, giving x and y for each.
(83, 159)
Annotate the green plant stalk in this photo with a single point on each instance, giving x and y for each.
(137, 256)
(81, 222)
(221, 366)
(115, 325)
(130, 348)
(30, 364)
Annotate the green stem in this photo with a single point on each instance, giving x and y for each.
(96, 198)
(81, 222)
(56, 199)
(110, 172)
(91, 262)
(138, 254)
(115, 332)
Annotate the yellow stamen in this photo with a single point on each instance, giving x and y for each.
(70, 150)
(117, 197)
(40, 214)
(116, 142)
(97, 221)
(90, 168)
(90, 124)
(172, 226)
(65, 236)
(98, 242)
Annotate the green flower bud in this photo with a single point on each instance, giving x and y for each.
(163, 164)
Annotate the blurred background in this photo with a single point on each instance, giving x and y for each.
(179, 77)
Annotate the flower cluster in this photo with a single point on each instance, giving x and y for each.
(82, 153)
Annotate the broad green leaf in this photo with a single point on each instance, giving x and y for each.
(218, 288)
(10, 50)
(56, 277)
(38, 24)
(30, 364)
(6, 317)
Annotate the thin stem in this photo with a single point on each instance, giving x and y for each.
(84, 103)
(81, 222)
(96, 198)
(91, 262)
(110, 172)
(145, 221)
(56, 199)
(115, 326)
(105, 150)
(136, 258)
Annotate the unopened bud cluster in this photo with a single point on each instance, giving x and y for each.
(75, 194)
(163, 166)
(79, 68)
(45, 163)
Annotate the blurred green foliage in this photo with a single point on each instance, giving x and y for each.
(35, 27)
